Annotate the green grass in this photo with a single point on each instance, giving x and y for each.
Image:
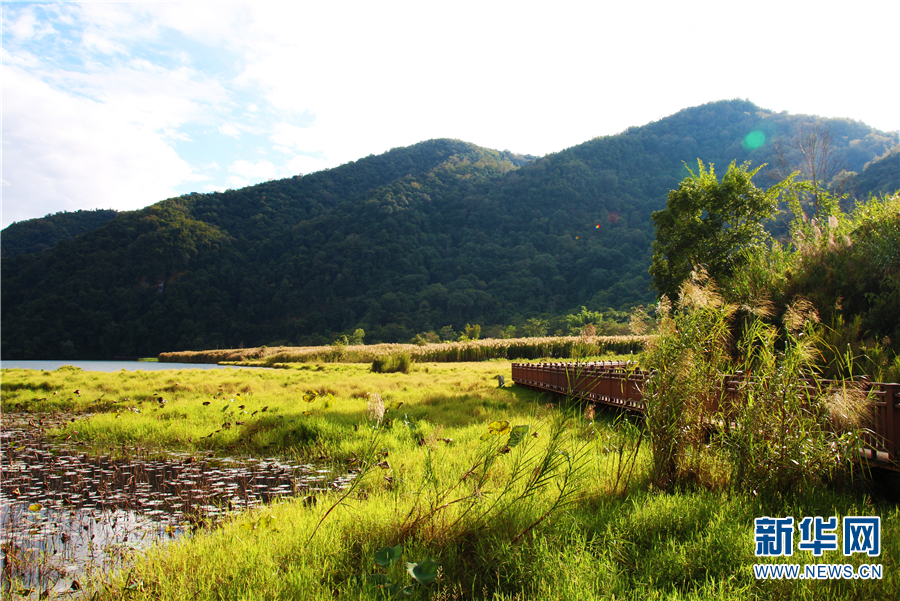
(123, 407)
(446, 492)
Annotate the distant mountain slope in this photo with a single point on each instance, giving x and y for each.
(35, 235)
(438, 233)
(880, 176)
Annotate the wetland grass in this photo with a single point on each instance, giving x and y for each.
(447, 471)
(442, 352)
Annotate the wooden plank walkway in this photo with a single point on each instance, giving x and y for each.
(618, 384)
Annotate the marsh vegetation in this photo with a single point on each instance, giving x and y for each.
(485, 492)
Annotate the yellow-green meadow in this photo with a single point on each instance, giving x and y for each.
(462, 490)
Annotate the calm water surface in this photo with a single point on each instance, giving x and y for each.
(112, 365)
(66, 516)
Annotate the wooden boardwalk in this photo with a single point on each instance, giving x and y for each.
(617, 384)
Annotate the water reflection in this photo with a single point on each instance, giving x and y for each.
(111, 366)
(65, 514)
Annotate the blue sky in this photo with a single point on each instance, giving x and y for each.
(119, 105)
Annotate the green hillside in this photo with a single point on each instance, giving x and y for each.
(36, 235)
(880, 176)
(439, 233)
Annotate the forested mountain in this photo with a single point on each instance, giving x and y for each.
(439, 233)
(35, 235)
(880, 176)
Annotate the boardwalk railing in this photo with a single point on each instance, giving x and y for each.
(620, 384)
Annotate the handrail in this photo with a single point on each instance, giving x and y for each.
(617, 384)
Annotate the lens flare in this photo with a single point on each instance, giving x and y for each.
(754, 140)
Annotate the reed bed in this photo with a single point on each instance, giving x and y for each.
(558, 347)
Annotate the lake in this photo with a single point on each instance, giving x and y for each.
(111, 365)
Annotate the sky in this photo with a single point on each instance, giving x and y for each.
(122, 104)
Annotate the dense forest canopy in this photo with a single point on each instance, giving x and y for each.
(35, 235)
(441, 233)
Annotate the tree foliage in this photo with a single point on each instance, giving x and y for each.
(36, 235)
(709, 223)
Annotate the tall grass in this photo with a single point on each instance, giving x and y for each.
(753, 413)
(793, 431)
(400, 362)
(473, 350)
(683, 391)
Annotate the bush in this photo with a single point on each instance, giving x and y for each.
(392, 363)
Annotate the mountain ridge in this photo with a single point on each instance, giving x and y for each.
(440, 233)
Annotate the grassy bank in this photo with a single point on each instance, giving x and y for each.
(475, 350)
(256, 411)
(448, 471)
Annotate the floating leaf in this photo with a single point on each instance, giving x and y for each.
(424, 572)
(387, 556)
(499, 427)
(517, 435)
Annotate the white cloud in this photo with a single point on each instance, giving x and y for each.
(230, 129)
(260, 169)
(101, 135)
(65, 153)
(26, 26)
(98, 43)
(134, 92)
(303, 164)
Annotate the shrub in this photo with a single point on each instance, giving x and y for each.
(392, 363)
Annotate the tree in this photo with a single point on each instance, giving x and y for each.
(578, 321)
(535, 327)
(709, 223)
(819, 168)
